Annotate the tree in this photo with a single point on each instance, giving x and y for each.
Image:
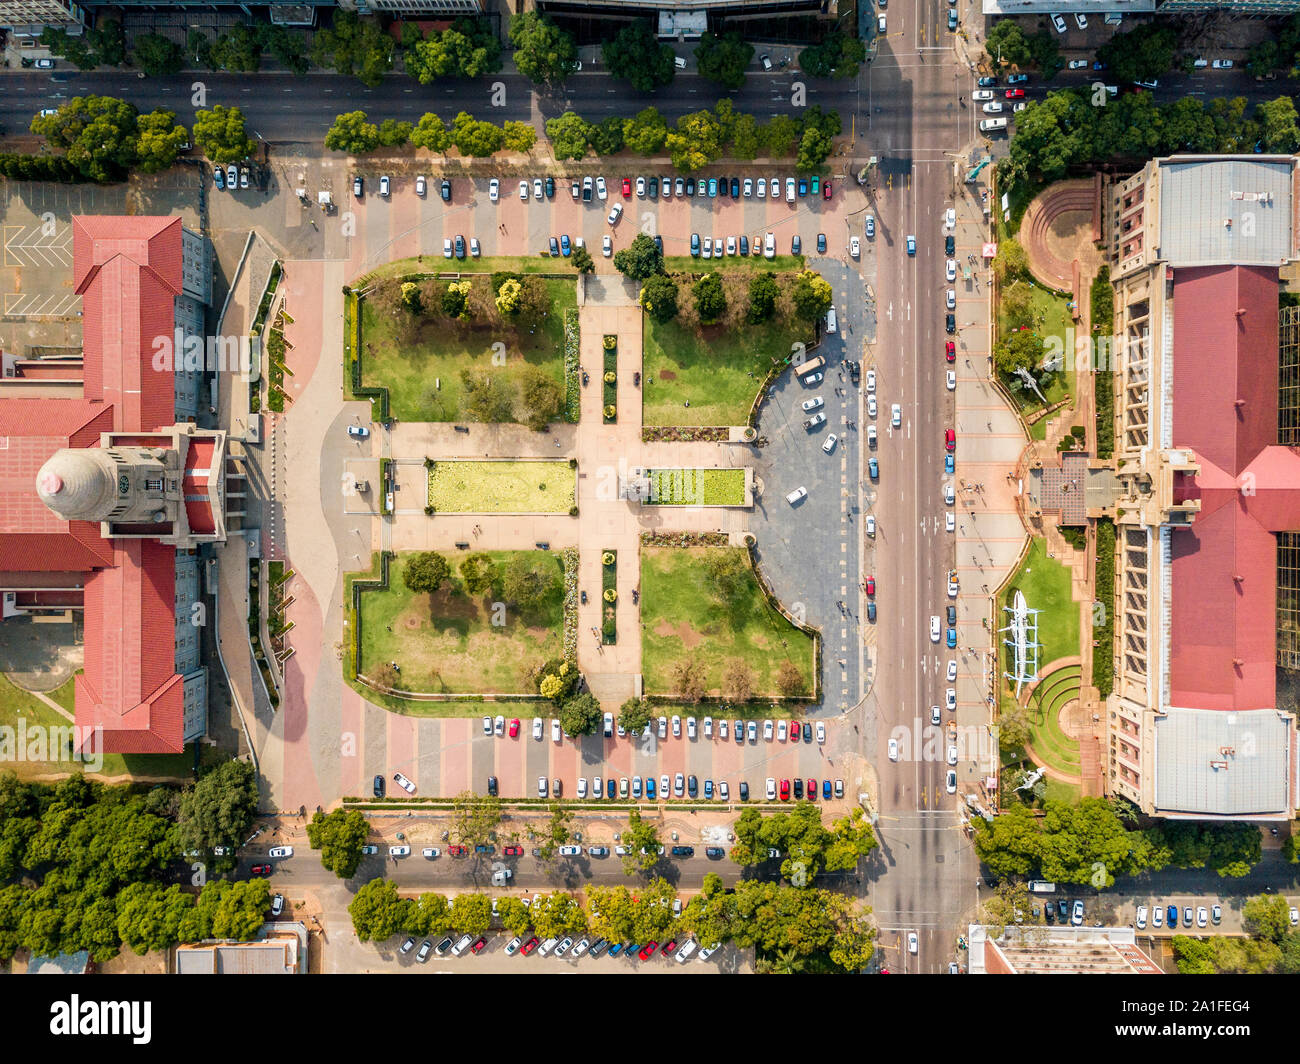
(611, 913)
(518, 136)
(219, 809)
(556, 680)
(226, 910)
(158, 56)
(339, 836)
(394, 134)
(814, 149)
(606, 137)
(544, 53)
(812, 295)
(789, 680)
(425, 571)
(640, 836)
(557, 915)
(455, 299)
(514, 916)
(1007, 43)
(688, 679)
(534, 301)
(659, 297)
(475, 817)
(471, 914)
(738, 681)
(1278, 119)
(730, 579)
(646, 132)
(467, 49)
(351, 133)
(221, 135)
(697, 140)
(1013, 728)
(763, 292)
(286, 47)
(710, 299)
(526, 583)
(540, 397)
(641, 259)
(75, 50)
(429, 914)
(580, 715)
(377, 912)
(557, 831)
(724, 59)
(745, 137)
(507, 297)
(109, 42)
(1267, 915)
(354, 47)
(99, 135)
(149, 916)
(1016, 304)
(634, 715)
(569, 135)
(237, 50)
(1142, 54)
(582, 260)
(637, 56)
(780, 135)
(430, 132)
(161, 141)
(411, 297)
(487, 397)
(838, 56)
(478, 573)
(474, 138)
(1020, 350)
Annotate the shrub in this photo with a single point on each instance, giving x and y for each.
(611, 342)
(610, 376)
(610, 594)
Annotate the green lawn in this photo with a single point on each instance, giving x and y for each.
(697, 487)
(1046, 586)
(681, 619)
(1052, 745)
(717, 369)
(457, 643)
(468, 267)
(748, 263)
(422, 374)
(1053, 320)
(511, 487)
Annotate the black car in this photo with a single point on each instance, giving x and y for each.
(744, 245)
(550, 188)
(1049, 914)
(740, 732)
(652, 188)
(692, 788)
(722, 187)
(555, 246)
(460, 246)
(950, 323)
(379, 786)
(690, 186)
(950, 245)
(735, 188)
(807, 732)
(659, 244)
(1063, 909)
(445, 189)
(714, 853)
(492, 786)
(444, 946)
(871, 611)
(798, 788)
(952, 614)
(744, 791)
(683, 851)
(796, 245)
(855, 371)
(597, 948)
(821, 243)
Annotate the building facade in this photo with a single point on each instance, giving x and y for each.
(26, 18)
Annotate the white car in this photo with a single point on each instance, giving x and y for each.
(913, 945)
(690, 727)
(420, 185)
(771, 789)
(949, 521)
(748, 187)
(640, 188)
(993, 108)
(952, 753)
(615, 213)
(543, 785)
(950, 218)
(1141, 917)
(731, 245)
(679, 785)
(871, 406)
(570, 851)
(538, 194)
(789, 190)
(950, 299)
(1081, 20)
(723, 792)
(722, 729)
(761, 189)
(775, 187)
(399, 851)
(280, 851)
(830, 443)
(609, 725)
(950, 783)
(494, 190)
(606, 246)
(780, 731)
(474, 248)
(708, 727)
(896, 415)
(446, 248)
(557, 732)
(663, 727)
(767, 730)
(948, 494)
(934, 628)
(677, 726)
(1202, 916)
(871, 525)
(1295, 916)
(893, 749)
(597, 785)
(487, 725)
(512, 947)
(385, 186)
(812, 404)
(934, 715)
(430, 852)
(1157, 916)
(951, 380)
(952, 670)
(1058, 23)
(600, 188)
(499, 725)
(821, 733)
(1221, 64)
(537, 728)
(981, 94)
(855, 247)
(582, 786)
(952, 585)
(523, 190)
(871, 380)
(663, 786)
(404, 783)
(950, 270)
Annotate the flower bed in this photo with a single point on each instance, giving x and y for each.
(608, 606)
(677, 434)
(484, 487)
(572, 372)
(609, 380)
(570, 558)
(684, 539)
(697, 487)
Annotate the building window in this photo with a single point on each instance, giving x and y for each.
(153, 485)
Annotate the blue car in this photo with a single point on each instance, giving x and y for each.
(650, 787)
(873, 468)
(615, 949)
(949, 466)
(565, 246)
(713, 187)
(911, 245)
(1172, 916)
(952, 19)
(708, 788)
(611, 788)
(952, 643)
(826, 789)
(695, 245)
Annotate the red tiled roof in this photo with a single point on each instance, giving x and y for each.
(1223, 638)
(198, 500)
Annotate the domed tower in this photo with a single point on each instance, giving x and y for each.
(111, 485)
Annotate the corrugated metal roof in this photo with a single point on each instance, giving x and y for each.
(1255, 780)
(1225, 210)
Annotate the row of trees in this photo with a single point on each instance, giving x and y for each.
(85, 866)
(695, 140)
(1089, 843)
(355, 134)
(1274, 947)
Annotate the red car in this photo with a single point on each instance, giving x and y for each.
(529, 946)
(950, 439)
(260, 870)
(627, 188)
(812, 789)
(645, 951)
(785, 790)
(514, 728)
(826, 190)
(513, 851)
(669, 946)
(950, 351)
(1015, 94)
(478, 945)
(457, 851)
(871, 585)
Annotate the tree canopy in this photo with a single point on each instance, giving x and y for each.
(636, 55)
